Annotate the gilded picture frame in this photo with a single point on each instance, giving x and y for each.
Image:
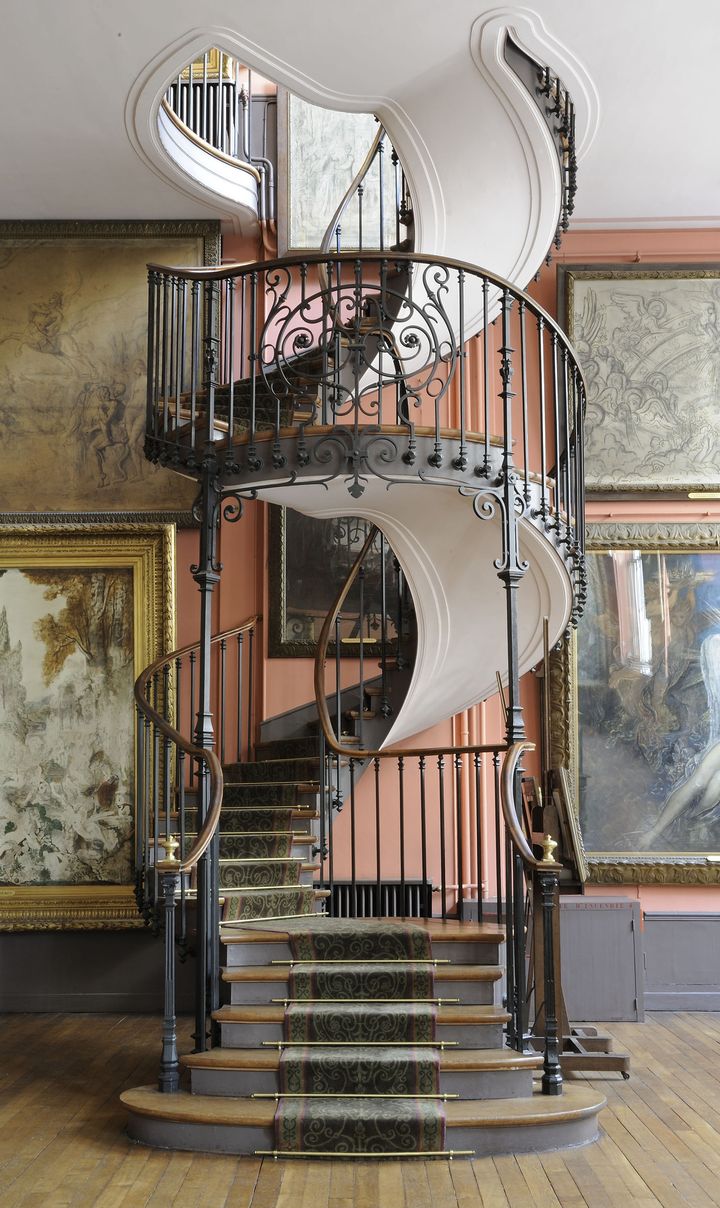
(309, 560)
(648, 341)
(82, 611)
(633, 705)
(73, 352)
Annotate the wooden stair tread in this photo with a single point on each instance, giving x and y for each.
(448, 931)
(576, 1102)
(280, 973)
(275, 1013)
(450, 1059)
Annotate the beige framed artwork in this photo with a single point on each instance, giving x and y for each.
(635, 701)
(82, 611)
(73, 347)
(647, 339)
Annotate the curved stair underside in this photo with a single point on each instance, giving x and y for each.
(447, 554)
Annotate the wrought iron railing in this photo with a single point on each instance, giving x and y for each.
(398, 366)
(459, 805)
(178, 778)
(212, 99)
(558, 110)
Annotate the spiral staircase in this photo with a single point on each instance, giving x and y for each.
(435, 402)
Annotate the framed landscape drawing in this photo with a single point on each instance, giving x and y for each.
(648, 340)
(82, 612)
(637, 704)
(73, 348)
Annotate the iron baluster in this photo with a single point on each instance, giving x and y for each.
(459, 836)
(477, 763)
(385, 709)
(378, 847)
(251, 695)
(401, 811)
(423, 836)
(239, 698)
(169, 1078)
(498, 838)
(443, 870)
(552, 1079)
(353, 842)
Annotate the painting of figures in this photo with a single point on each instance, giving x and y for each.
(66, 739)
(648, 693)
(73, 347)
(648, 342)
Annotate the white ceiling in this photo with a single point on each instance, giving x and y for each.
(69, 68)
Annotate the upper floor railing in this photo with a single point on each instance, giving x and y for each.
(213, 100)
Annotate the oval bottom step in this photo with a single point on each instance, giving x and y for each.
(242, 1126)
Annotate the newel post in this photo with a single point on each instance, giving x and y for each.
(548, 884)
(169, 870)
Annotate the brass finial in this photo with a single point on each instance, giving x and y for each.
(549, 846)
(170, 845)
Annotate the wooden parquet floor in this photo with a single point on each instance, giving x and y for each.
(62, 1143)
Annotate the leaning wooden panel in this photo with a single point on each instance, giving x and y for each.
(82, 611)
(636, 705)
(73, 363)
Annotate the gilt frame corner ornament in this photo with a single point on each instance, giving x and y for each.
(690, 756)
(647, 337)
(83, 609)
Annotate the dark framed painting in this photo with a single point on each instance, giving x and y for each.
(82, 612)
(73, 350)
(636, 705)
(310, 560)
(648, 341)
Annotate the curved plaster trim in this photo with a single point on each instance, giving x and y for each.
(487, 41)
(226, 181)
(144, 99)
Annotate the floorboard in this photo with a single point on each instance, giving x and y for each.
(62, 1141)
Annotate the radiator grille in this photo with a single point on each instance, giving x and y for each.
(395, 900)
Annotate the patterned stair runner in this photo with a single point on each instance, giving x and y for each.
(359, 1070)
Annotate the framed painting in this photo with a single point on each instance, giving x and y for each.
(73, 349)
(648, 340)
(321, 150)
(82, 612)
(636, 705)
(310, 560)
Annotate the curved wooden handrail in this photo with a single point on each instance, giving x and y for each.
(358, 178)
(204, 145)
(507, 799)
(313, 258)
(320, 695)
(212, 818)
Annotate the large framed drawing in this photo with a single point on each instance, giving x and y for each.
(73, 348)
(648, 340)
(82, 611)
(636, 704)
(309, 560)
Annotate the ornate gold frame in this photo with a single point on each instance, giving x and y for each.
(148, 550)
(610, 868)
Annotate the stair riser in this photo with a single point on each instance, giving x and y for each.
(469, 1084)
(233, 1139)
(468, 1036)
(237, 956)
(305, 877)
(469, 993)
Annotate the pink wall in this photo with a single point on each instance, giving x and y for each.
(642, 247)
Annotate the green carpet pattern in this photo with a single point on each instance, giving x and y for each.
(370, 981)
(371, 1071)
(374, 1126)
(360, 1070)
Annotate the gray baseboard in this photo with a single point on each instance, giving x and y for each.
(682, 1000)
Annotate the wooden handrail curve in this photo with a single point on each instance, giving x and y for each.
(320, 694)
(212, 818)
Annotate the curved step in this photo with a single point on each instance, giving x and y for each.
(470, 1073)
(473, 1026)
(470, 984)
(241, 1126)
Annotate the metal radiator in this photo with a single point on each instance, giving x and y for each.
(413, 899)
